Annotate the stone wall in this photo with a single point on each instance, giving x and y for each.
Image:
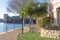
(29, 29)
(26, 29)
(44, 32)
(50, 33)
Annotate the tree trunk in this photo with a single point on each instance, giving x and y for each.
(30, 21)
(22, 22)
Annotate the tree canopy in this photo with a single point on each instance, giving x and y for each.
(42, 10)
(29, 8)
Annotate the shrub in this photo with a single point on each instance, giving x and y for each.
(43, 22)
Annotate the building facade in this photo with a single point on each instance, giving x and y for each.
(55, 11)
(13, 19)
(17, 19)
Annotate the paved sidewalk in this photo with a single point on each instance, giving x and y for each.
(10, 35)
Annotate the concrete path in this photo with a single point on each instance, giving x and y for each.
(10, 35)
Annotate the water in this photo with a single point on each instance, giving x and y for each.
(10, 26)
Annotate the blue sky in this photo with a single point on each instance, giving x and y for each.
(3, 5)
(43, 0)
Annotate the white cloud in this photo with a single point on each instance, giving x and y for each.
(2, 12)
(12, 14)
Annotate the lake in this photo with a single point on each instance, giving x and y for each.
(9, 26)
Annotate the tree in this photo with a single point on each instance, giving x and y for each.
(29, 9)
(42, 10)
(14, 5)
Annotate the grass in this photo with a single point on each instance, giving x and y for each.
(32, 36)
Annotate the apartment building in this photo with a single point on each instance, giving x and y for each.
(55, 11)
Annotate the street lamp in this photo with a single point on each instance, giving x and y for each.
(22, 22)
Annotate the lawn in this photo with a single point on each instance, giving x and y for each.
(32, 36)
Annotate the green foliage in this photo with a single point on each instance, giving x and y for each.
(32, 9)
(32, 36)
(28, 9)
(46, 22)
(22, 10)
(28, 36)
(42, 10)
(39, 22)
(43, 22)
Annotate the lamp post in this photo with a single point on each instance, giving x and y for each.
(22, 23)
